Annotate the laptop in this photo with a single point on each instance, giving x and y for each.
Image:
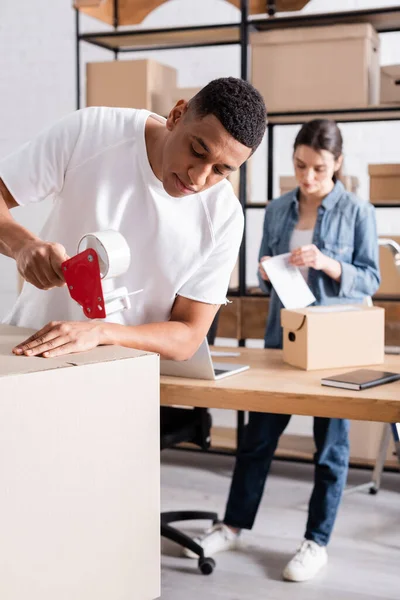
(200, 366)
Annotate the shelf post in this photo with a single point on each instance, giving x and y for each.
(244, 40)
(115, 14)
(270, 161)
(116, 19)
(78, 61)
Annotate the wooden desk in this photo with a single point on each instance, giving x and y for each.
(272, 386)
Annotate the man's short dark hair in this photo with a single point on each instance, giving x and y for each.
(237, 105)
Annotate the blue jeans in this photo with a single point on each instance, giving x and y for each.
(254, 460)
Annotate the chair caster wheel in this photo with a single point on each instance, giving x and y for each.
(206, 565)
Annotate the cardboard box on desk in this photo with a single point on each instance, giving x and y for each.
(79, 472)
(324, 337)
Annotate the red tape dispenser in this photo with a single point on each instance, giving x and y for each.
(101, 255)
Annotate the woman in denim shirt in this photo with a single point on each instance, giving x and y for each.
(332, 238)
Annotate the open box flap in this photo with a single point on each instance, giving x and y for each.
(292, 320)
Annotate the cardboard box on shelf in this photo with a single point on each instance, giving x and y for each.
(259, 6)
(131, 12)
(131, 84)
(365, 437)
(234, 280)
(183, 94)
(390, 276)
(234, 179)
(165, 101)
(384, 183)
(317, 68)
(79, 4)
(324, 337)
(390, 84)
(79, 436)
(288, 183)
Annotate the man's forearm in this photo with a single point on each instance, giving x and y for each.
(172, 339)
(12, 235)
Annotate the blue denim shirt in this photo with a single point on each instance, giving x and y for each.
(345, 230)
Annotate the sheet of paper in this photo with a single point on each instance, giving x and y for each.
(288, 282)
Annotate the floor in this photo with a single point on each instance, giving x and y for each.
(364, 553)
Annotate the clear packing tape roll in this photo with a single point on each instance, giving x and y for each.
(112, 250)
(114, 259)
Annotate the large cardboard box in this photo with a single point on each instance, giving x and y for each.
(79, 472)
(390, 275)
(131, 84)
(384, 186)
(390, 84)
(288, 183)
(325, 337)
(317, 68)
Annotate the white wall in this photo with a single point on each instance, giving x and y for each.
(37, 86)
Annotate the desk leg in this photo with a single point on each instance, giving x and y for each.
(240, 421)
(240, 425)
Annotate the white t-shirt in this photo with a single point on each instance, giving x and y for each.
(94, 165)
(299, 238)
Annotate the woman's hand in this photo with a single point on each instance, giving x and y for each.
(308, 256)
(58, 338)
(261, 270)
(311, 256)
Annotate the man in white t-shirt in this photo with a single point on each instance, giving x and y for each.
(162, 184)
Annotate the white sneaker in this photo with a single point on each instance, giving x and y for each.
(306, 563)
(218, 538)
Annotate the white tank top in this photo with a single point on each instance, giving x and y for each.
(301, 237)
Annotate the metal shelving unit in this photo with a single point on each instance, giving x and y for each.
(134, 40)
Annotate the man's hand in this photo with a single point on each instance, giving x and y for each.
(176, 339)
(59, 338)
(39, 263)
(261, 270)
(308, 256)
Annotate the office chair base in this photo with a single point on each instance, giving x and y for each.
(206, 564)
